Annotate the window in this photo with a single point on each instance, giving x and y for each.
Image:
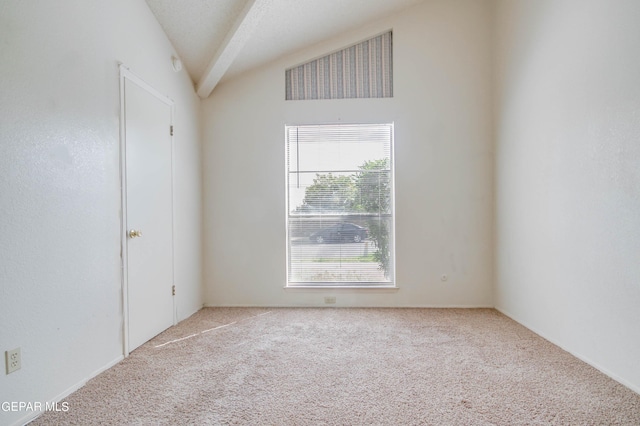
(364, 70)
(340, 205)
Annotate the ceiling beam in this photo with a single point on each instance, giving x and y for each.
(233, 42)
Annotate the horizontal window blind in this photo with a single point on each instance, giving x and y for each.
(340, 204)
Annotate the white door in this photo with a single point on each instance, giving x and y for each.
(149, 213)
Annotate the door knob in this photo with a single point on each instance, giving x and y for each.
(134, 233)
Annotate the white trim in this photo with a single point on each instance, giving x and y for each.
(287, 241)
(173, 216)
(392, 285)
(123, 225)
(34, 415)
(581, 357)
(351, 306)
(392, 164)
(332, 286)
(128, 74)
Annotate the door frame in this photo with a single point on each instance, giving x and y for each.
(126, 73)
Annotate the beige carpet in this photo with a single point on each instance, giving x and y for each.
(350, 367)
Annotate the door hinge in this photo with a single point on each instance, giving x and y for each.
(171, 130)
(173, 290)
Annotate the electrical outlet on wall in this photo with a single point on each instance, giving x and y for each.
(13, 360)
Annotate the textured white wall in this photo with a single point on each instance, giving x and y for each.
(60, 284)
(443, 155)
(568, 176)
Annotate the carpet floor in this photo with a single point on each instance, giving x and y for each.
(253, 366)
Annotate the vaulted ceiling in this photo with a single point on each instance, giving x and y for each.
(218, 39)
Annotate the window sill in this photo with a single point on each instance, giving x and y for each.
(369, 288)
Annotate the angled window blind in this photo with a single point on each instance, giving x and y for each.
(364, 70)
(340, 205)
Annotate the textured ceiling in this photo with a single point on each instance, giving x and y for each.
(197, 28)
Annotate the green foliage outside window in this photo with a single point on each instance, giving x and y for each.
(368, 191)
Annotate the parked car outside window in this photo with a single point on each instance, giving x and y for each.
(342, 232)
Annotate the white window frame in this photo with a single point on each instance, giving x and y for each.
(391, 284)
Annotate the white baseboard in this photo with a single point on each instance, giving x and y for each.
(581, 357)
(322, 305)
(187, 315)
(32, 416)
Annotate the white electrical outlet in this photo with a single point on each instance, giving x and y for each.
(13, 360)
(330, 300)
